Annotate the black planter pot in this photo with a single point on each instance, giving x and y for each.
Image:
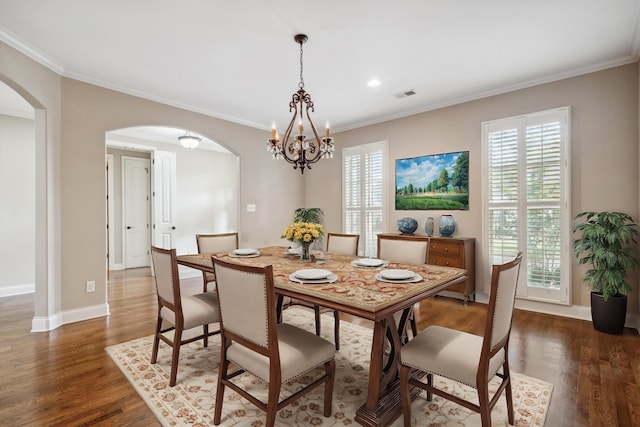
(608, 316)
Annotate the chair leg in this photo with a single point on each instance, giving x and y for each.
(156, 341)
(405, 373)
(330, 371)
(507, 390)
(316, 310)
(483, 403)
(336, 328)
(205, 331)
(222, 374)
(175, 356)
(272, 403)
(430, 384)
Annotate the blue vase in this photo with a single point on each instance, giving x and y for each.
(407, 225)
(429, 225)
(447, 225)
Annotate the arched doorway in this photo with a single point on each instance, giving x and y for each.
(206, 198)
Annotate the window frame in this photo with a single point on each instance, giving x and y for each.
(365, 240)
(562, 295)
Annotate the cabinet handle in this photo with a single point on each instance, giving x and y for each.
(446, 249)
(446, 263)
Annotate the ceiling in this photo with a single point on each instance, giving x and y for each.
(237, 60)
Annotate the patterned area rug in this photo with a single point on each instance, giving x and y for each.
(191, 401)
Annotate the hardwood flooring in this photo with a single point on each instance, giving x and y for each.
(65, 378)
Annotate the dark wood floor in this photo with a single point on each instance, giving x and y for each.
(64, 377)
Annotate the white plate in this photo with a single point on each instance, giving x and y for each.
(247, 251)
(332, 278)
(312, 274)
(370, 262)
(294, 251)
(392, 274)
(415, 279)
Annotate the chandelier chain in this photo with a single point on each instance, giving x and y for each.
(301, 84)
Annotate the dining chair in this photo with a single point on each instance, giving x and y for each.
(342, 244)
(179, 312)
(254, 341)
(214, 243)
(466, 358)
(339, 244)
(404, 249)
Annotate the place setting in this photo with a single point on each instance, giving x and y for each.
(398, 276)
(313, 276)
(369, 263)
(244, 253)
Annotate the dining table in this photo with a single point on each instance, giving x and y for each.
(360, 289)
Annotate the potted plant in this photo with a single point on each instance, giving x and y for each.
(604, 243)
(311, 215)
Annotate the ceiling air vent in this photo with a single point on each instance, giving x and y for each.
(404, 94)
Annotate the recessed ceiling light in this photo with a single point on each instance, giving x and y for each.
(373, 83)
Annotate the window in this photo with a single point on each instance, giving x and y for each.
(363, 196)
(526, 200)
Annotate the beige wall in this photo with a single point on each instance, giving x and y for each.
(77, 115)
(72, 118)
(604, 157)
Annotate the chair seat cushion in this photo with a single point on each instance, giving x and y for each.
(448, 353)
(199, 309)
(300, 352)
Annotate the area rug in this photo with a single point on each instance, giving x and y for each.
(191, 401)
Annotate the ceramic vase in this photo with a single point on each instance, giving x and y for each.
(429, 225)
(447, 225)
(407, 225)
(305, 253)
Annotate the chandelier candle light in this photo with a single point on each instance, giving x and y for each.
(301, 152)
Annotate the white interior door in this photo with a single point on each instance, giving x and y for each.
(164, 196)
(136, 208)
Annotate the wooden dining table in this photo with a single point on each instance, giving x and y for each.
(357, 292)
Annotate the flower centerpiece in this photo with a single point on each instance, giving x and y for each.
(304, 232)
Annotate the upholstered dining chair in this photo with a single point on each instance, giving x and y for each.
(403, 249)
(211, 244)
(179, 312)
(342, 244)
(466, 358)
(254, 341)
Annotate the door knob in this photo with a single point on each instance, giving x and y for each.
(129, 227)
(173, 228)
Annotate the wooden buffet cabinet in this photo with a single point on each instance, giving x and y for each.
(457, 252)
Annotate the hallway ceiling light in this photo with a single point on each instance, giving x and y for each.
(189, 140)
(301, 152)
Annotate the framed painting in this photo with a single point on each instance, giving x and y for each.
(433, 182)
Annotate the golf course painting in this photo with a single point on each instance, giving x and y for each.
(433, 182)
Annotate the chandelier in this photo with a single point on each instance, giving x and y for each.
(189, 140)
(301, 151)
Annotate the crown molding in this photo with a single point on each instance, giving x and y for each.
(23, 47)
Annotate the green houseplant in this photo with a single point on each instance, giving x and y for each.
(604, 243)
(311, 215)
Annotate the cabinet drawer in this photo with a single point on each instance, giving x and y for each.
(445, 261)
(444, 248)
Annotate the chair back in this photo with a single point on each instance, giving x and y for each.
(504, 279)
(342, 244)
(247, 304)
(165, 267)
(402, 249)
(216, 243)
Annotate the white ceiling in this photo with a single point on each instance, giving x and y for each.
(237, 59)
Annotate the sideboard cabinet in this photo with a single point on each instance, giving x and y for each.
(459, 252)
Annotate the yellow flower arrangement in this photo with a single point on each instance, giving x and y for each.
(303, 232)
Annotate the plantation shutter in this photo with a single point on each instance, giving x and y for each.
(363, 193)
(526, 172)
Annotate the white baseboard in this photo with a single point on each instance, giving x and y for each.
(44, 324)
(7, 291)
(580, 312)
(118, 267)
